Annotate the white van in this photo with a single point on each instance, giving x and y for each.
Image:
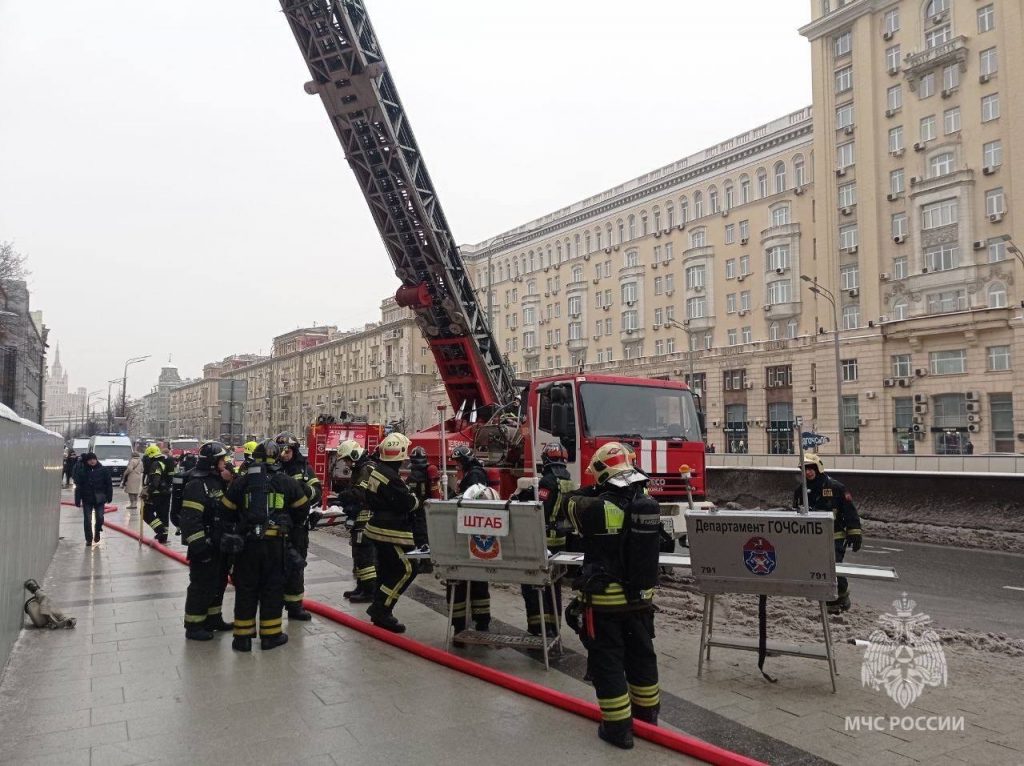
(80, 446)
(113, 451)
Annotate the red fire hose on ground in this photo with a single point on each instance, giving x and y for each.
(672, 740)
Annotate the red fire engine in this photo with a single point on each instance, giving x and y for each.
(506, 421)
(322, 440)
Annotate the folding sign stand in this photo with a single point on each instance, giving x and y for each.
(493, 541)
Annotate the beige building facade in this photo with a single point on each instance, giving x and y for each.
(885, 210)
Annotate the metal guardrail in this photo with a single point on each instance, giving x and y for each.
(939, 465)
(30, 475)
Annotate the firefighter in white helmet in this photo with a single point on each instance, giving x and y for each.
(391, 506)
(353, 500)
(613, 610)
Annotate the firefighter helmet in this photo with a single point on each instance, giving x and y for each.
(480, 492)
(152, 451)
(394, 448)
(610, 460)
(285, 439)
(811, 460)
(462, 453)
(418, 457)
(554, 452)
(632, 453)
(350, 449)
(248, 447)
(267, 451)
(209, 454)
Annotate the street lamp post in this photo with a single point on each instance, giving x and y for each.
(124, 383)
(109, 411)
(827, 294)
(685, 327)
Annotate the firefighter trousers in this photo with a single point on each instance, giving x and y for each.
(842, 582)
(624, 667)
(533, 601)
(294, 577)
(206, 584)
(479, 604)
(259, 584)
(419, 527)
(364, 557)
(156, 513)
(394, 573)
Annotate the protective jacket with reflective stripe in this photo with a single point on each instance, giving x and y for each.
(201, 507)
(391, 504)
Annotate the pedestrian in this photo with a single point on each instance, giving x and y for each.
(391, 505)
(70, 461)
(93, 489)
(203, 528)
(156, 493)
(472, 475)
(613, 611)
(357, 464)
(260, 505)
(294, 464)
(826, 494)
(131, 480)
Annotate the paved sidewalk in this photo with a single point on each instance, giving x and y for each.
(124, 687)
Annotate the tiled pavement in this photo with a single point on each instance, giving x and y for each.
(125, 688)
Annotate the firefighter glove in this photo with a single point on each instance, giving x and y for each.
(200, 551)
(295, 561)
(854, 541)
(314, 519)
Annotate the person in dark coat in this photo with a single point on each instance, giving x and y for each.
(70, 460)
(93, 489)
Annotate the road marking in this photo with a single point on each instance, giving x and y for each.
(881, 549)
(1012, 587)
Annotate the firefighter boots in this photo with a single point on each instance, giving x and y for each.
(242, 643)
(298, 612)
(216, 623)
(363, 592)
(618, 733)
(382, 617)
(274, 641)
(198, 633)
(841, 604)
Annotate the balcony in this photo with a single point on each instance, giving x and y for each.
(632, 271)
(576, 287)
(631, 336)
(576, 344)
(704, 251)
(531, 352)
(786, 231)
(916, 65)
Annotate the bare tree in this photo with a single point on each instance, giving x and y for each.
(12, 263)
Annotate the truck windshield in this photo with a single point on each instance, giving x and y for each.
(638, 412)
(184, 444)
(113, 452)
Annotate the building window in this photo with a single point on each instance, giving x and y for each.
(630, 320)
(998, 358)
(762, 183)
(659, 285)
(632, 258)
(997, 295)
(780, 428)
(895, 139)
(942, 257)
(928, 128)
(996, 252)
(848, 195)
(629, 292)
(937, 214)
(849, 367)
(990, 107)
(696, 308)
(947, 363)
(842, 44)
(744, 265)
(670, 346)
(698, 205)
(901, 365)
(896, 181)
(730, 197)
(995, 202)
(986, 18)
(951, 120)
(903, 425)
(780, 215)
(730, 233)
(698, 237)
(851, 425)
(946, 301)
(892, 58)
(713, 201)
(899, 225)
(992, 154)
(779, 291)
(734, 380)
(950, 424)
(894, 97)
(950, 78)
(844, 79)
(736, 428)
(684, 210)
(779, 376)
(892, 20)
(851, 316)
(745, 300)
(744, 231)
(900, 310)
(848, 236)
(848, 277)
(730, 303)
(933, 38)
(744, 190)
(941, 165)
(780, 177)
(731, 337)
(900, 267)
(1001, 413)
(694, 277)
(746, 335)
(778, 258)
(988, 60)
(926, 88)
(730, 268)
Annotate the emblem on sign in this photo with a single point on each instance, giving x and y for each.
(759, 556)
(484, 547)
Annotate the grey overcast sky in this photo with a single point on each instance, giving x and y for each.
(177, 193)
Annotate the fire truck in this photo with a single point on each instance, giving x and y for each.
(507, 421)
(322, 440)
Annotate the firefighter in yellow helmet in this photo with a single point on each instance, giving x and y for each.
(357, 512)
(156, 491)
(826, 494)
(391, 505)
(613, 610)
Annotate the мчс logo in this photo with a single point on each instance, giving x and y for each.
(759, 556)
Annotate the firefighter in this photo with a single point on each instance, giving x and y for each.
(294, 464)
(554, 488)
(425, 483)
(181, 476)
(826, 494)
(156, 493)
(202, 530)
(472, 475)
(391, 505)
(615, 590)
(247, 449)
(261, 504)
(353, 501)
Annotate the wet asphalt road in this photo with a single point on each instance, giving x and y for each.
(959, 588)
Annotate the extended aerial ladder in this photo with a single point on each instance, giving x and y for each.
(351, 77)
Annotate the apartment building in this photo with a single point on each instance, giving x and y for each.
(913, 103)
(881, 215)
